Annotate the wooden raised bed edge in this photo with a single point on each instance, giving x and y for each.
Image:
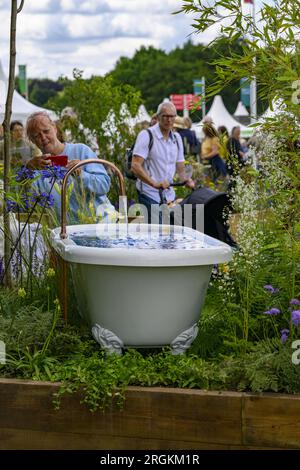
(152, 418)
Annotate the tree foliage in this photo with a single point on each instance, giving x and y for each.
(102, 109)
(157, 74)
(41, 90)
(270, 44)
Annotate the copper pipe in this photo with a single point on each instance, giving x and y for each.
(63, 233)
(64, 289)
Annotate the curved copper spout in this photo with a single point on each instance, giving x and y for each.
(63, 233)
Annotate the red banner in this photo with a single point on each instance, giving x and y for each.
(186, 101)
(177, 100)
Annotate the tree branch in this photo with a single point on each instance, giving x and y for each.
(20, 7)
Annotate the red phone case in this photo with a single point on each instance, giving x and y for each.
(59, 160)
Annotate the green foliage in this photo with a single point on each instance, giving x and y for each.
(101, 109)
(158, 74)
(268, 367)
(75, 360)
(270, 44)
(41, 90)
(238, 346)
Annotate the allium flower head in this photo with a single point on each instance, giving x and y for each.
(284, 335)
(272, 311)
(24, 174)
(269, 288)
(295, 318)
(43, 199)
(295, 302)
(56, 172)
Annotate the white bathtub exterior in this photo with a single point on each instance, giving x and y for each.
(145, 297)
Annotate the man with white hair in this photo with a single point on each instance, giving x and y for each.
(155, 165)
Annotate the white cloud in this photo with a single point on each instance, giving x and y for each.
(55, 36)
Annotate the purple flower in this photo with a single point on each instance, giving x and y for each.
(24, 174)
(269, 288)
(295, 318)
(26, 203)
(272, 311)
(21, 205)
(45, 200)
(2, 270)
(55, 172)
(284, 335)
(295, 302)
(11, 205)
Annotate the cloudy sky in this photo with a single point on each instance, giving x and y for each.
(54, 36)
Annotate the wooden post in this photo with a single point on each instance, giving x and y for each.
(6, 123)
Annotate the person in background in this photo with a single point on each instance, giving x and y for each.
(207, 120)
(156, 168)
(235, 153)
(154, 120)
(60, 132)
(223, 136)
(210, 150)
(21, 150)
(141, 125)
(244, 148)
(191, 144)
(91, 182)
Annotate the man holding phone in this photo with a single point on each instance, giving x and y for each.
(91, 182)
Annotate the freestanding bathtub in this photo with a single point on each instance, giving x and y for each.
(146, 296)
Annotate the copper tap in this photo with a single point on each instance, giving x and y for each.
(63, 233)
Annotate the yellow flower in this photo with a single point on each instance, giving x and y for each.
(50, 272)
(225, 268)
(22, 292)
(57, 305)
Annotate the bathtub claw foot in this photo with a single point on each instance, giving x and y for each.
(183, 341)
(107, 340)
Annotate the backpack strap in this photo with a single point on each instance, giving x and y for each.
(150, 139)
(150, 145)
(175, 137)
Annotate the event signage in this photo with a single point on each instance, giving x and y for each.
(185, 101)
(245, 91)
(23, 84)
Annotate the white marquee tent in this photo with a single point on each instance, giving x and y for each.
(142, 115)
(221, 117)
(21, 108)
(241, 110)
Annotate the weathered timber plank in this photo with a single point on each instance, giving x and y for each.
(24, 439)
(271, 420)
(149, 413)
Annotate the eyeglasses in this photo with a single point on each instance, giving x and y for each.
(168, 116)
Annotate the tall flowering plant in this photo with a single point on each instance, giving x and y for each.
(284, 320)
(24, 199)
